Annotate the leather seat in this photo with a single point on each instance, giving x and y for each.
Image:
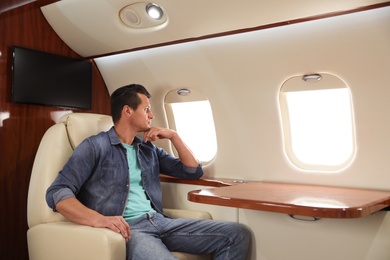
(50, 235)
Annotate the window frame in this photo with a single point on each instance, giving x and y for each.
(184, 96)
(323, 82)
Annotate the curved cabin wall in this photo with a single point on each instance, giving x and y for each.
(21, 133)
(75, 21)
(242, 75)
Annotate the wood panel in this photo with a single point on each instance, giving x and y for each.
(296, 199)
(292, 199)
(20, 134)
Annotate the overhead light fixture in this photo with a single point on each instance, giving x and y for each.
(143, 15)
(154, 11)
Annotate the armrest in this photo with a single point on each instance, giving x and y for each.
(67, 240)
(184, 213)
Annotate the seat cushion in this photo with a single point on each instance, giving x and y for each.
(83, 125)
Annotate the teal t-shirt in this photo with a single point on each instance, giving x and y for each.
(137, 202)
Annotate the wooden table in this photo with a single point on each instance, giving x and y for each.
(295, 199)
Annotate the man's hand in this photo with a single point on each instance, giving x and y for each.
(155, 133)
(116, 223)
(75, 211)
(185, 154)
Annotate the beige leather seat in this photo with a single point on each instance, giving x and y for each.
(50, 235)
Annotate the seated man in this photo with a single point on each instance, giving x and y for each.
(112, 181)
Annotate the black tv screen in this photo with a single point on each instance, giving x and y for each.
(52, 80)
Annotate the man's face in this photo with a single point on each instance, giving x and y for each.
(142, 116)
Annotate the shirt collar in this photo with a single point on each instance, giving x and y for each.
(114, 139)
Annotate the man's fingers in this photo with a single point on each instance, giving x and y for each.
(119, 225)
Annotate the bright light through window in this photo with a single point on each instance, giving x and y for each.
(318, 127)
(194, 122)
(321, 126)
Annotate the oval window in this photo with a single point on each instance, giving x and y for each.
(189, 113)
(317, 120)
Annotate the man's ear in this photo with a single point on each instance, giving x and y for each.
(127, 111)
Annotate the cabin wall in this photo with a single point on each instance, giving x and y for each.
(20, 134)
(242, 75)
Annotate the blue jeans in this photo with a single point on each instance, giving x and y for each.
(154, 236)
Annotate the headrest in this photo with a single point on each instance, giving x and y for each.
(82, 125)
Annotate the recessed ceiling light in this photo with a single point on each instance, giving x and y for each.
(143, 15)
(154, 11)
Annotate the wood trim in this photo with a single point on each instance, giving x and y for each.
(296, 199)
(211, 182)
(21, 133)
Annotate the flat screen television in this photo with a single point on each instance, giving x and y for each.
(51, 80)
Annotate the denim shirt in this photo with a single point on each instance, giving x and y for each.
(97, 174)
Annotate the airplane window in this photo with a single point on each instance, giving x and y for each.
(317, 120)
(189, 113)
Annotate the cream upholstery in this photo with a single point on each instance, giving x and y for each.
(50, 235)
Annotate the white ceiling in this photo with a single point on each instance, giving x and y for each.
(93, 27)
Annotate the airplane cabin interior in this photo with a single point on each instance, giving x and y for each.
(284, 103)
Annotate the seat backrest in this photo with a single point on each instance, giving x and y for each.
(53, 152)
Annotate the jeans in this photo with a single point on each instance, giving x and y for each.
(154, 236)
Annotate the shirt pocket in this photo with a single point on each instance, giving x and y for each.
(110, 175)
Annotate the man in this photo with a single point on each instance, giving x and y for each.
(112, 181)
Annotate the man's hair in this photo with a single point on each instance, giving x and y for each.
(126, 95)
